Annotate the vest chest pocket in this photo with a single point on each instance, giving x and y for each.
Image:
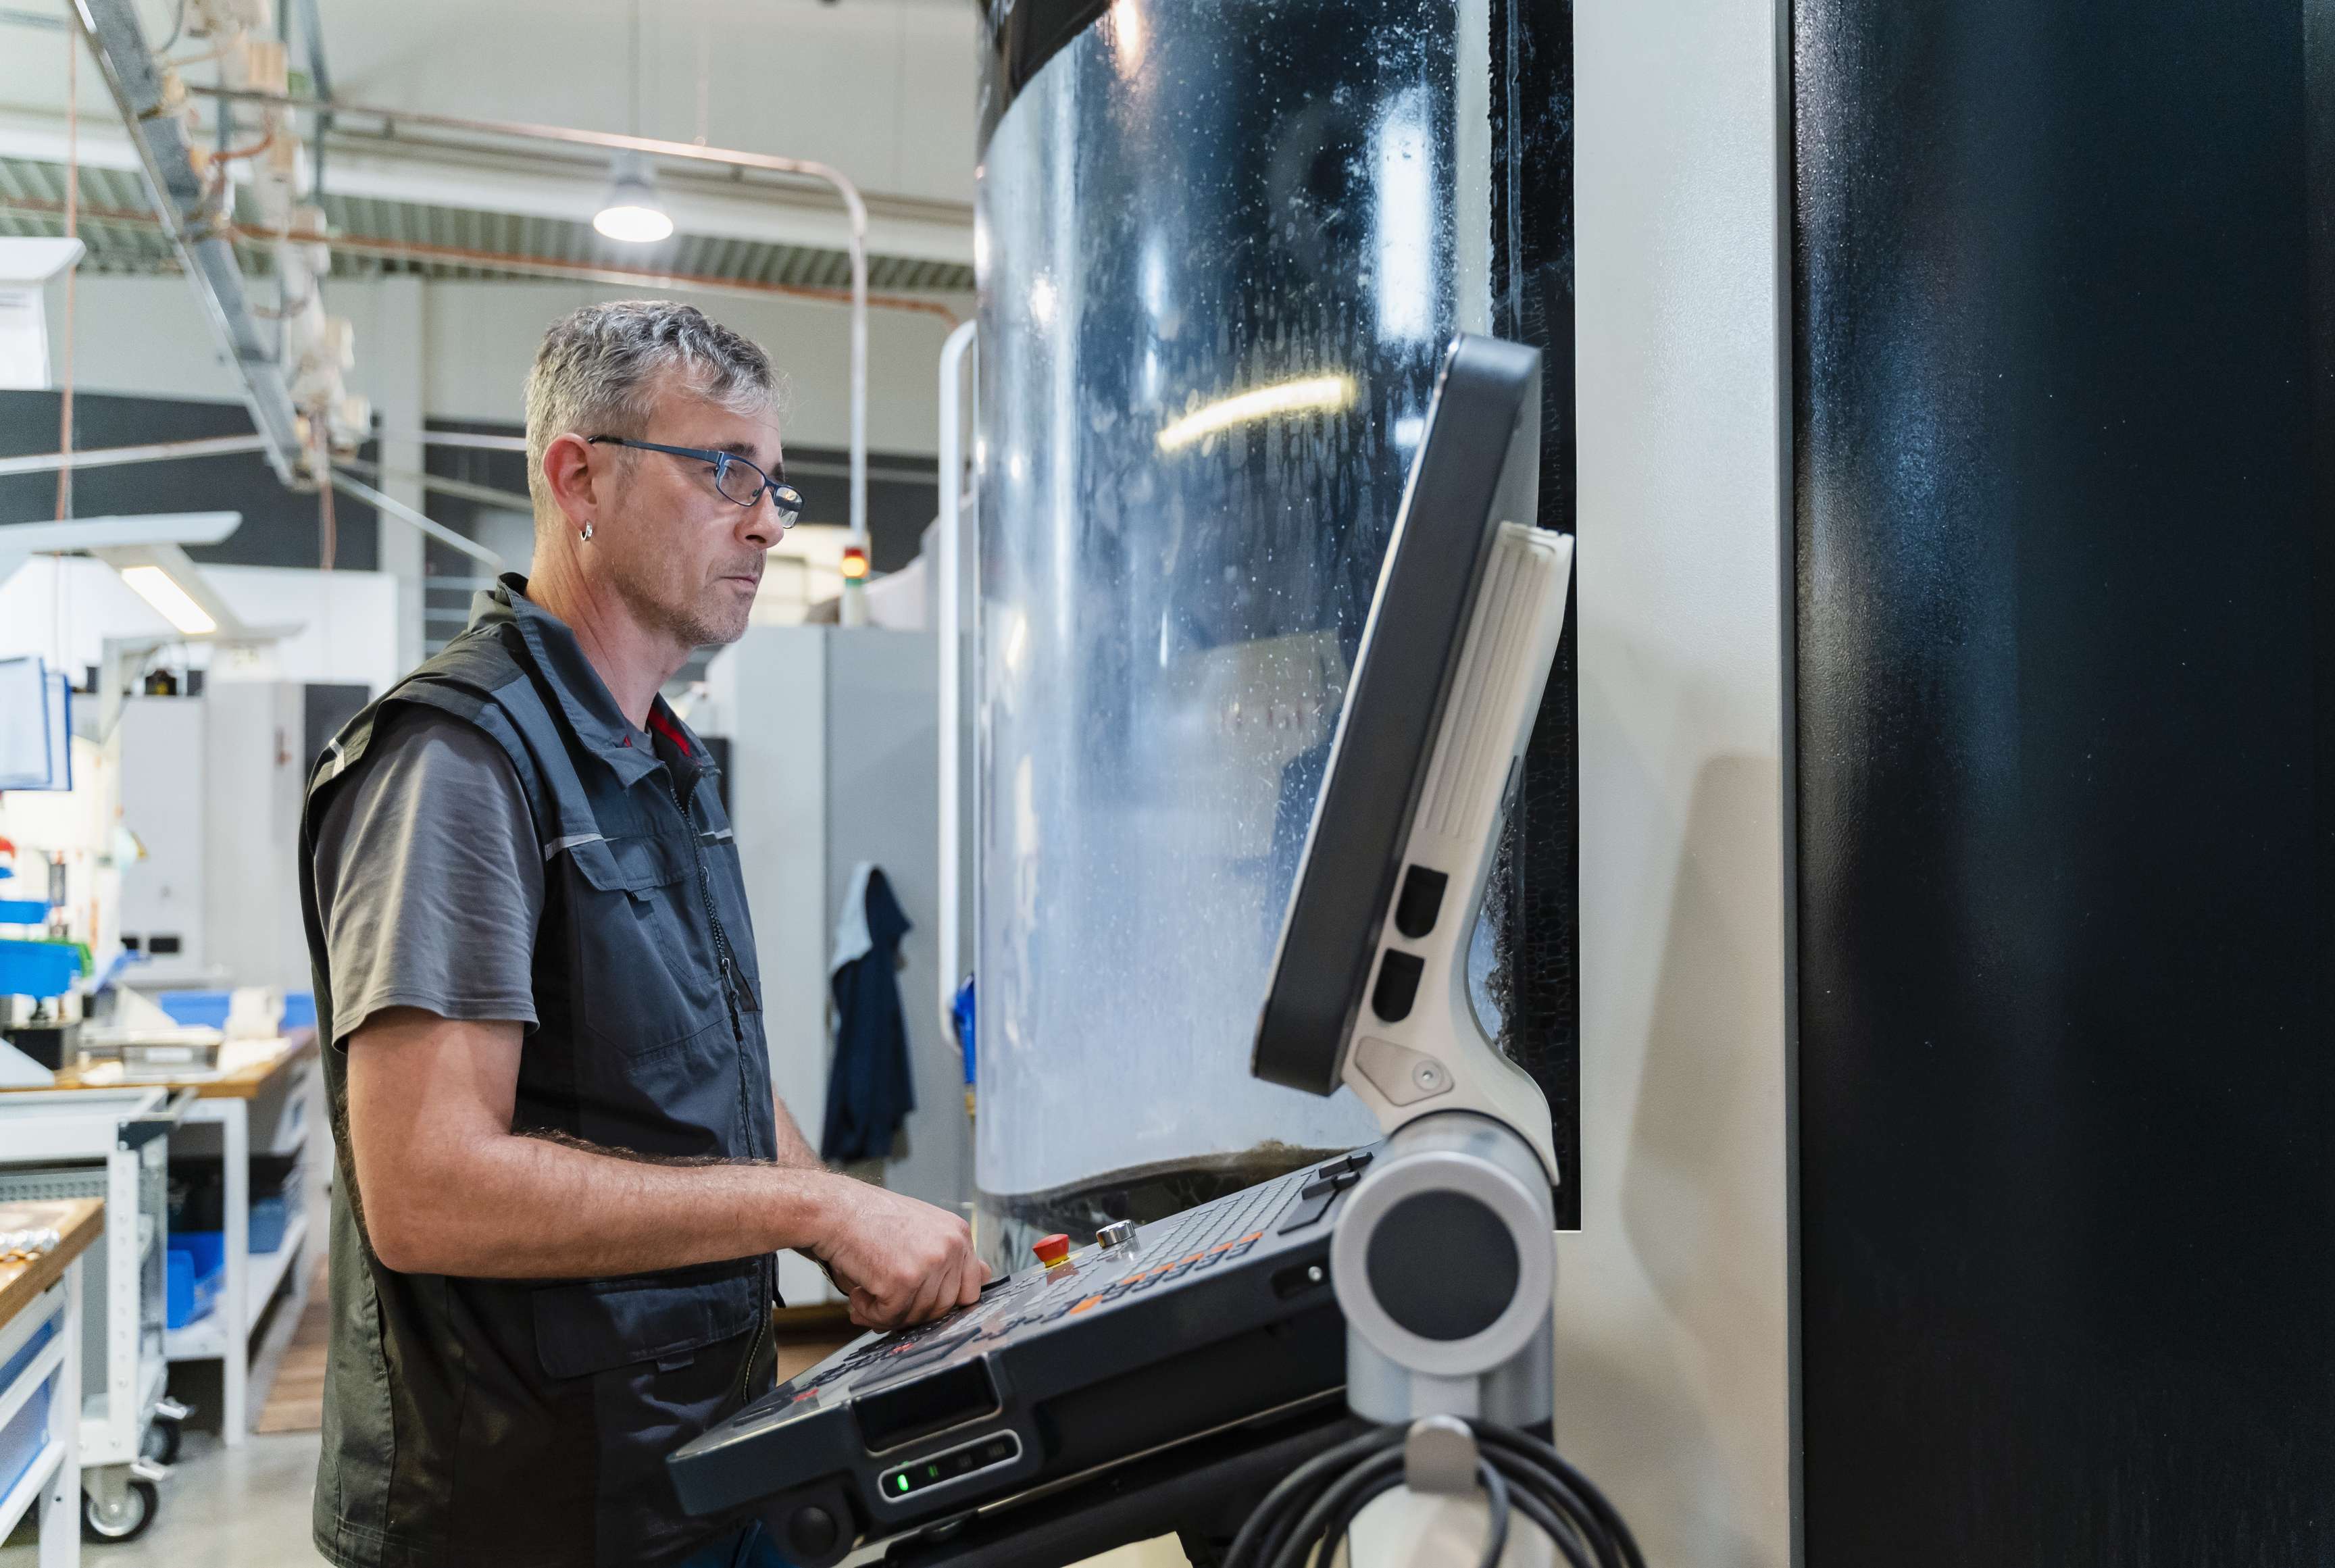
(645, 975)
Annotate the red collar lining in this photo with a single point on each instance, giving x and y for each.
(657, 722)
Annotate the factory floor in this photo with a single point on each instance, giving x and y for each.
(249, 1508)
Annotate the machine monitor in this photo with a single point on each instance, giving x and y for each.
(1369, 982)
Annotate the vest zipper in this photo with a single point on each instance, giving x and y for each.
(721, 958)
(767, 1270)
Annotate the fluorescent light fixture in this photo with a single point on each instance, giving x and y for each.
(170, 601)
(631, 211)
(1313, 394)
(121, 541)
(26, 266)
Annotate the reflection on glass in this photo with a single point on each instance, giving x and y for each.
(1213, 292)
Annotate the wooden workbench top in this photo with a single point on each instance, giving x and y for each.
(79, 1220)
(246, 1068)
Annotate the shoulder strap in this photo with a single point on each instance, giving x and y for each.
(482, 680)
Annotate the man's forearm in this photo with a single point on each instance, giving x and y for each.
(794, 1149)
(533, 1208)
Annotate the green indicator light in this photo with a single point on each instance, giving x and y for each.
(932, 1471)
(903, 1482)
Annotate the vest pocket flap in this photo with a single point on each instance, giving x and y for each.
(632, 865)
(602, 1324)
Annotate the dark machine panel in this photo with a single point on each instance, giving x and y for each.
(2065, 1090)
(1211, 1318)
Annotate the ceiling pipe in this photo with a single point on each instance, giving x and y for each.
(185, 205)
(855, 209)
(524, 266)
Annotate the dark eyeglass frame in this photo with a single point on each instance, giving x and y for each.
(786, 500)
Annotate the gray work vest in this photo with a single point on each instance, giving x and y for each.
(520, 1423)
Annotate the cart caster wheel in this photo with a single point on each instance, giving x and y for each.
(161, 1442)
(125, 1521)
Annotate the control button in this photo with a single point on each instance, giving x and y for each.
(1309, 1211)
(812, 1533)
(1053, 1250)
(1421, 897)
(1358, 1159)
(1397, 986)
(1117, 1235)
(1331, 1180)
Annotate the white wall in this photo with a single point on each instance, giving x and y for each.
(147, 336)
(1673, 1306)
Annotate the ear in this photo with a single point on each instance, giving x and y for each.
(576, 484)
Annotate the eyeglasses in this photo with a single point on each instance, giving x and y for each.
(737, 480)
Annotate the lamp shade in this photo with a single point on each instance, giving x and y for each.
(631, 212)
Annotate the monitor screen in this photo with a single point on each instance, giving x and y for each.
(1477, 465)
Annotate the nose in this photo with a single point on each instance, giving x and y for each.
(761, 525)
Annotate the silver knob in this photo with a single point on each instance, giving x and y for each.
(1117, 1235)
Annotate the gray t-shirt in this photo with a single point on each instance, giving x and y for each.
(429, 880)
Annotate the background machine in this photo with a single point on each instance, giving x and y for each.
(1184, 1375)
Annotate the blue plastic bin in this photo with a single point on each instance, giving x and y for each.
(299, 1010)
(27, 1431)
(197, 1269)
(24, 912)
(268, 1218)
(37, 968)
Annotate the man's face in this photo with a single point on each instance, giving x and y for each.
(686, 558)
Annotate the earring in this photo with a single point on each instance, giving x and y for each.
(587, 534)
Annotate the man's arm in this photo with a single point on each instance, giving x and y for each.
(448, 1188)
(794, 1149)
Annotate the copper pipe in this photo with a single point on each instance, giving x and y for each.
(525, 266)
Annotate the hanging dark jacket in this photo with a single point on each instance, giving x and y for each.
(870, 1092)
(522, 1423)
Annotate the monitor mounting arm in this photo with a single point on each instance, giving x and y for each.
(1443, 1257)
(1417, 1049)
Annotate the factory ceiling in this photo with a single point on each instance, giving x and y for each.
(373, 235)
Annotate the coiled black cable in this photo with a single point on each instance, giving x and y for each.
(1315, 1504)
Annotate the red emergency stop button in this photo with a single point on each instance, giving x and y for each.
(1052, 1250)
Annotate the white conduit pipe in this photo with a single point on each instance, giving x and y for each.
(151, 452)
(348, 484)
(947, 575)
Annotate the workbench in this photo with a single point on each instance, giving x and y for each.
(251, 1073)
(40, 1300)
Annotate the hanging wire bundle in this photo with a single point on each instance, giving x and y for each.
(1317, 1504)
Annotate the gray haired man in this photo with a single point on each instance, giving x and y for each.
(562, 1170)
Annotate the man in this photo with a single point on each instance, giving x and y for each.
(562, 1173)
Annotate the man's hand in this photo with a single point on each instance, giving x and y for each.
(900, 1261)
